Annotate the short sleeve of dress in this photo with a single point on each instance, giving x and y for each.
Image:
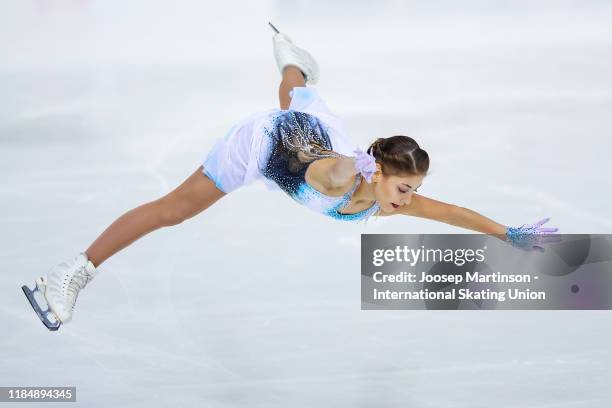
(305, 99)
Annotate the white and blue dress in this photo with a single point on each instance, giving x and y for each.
(277, 146)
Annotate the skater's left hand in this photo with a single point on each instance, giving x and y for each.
(527, 237)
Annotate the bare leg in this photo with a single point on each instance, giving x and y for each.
(193, 196)
(292, 76)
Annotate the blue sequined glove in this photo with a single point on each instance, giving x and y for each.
(527, 236)
(365, 164)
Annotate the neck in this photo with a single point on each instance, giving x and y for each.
(364, 193)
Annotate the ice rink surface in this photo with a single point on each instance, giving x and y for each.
(106, 105)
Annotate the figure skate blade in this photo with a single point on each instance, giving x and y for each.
(46, 316)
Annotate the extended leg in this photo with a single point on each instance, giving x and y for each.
(54, 295)
(193, 196)
(292, 76)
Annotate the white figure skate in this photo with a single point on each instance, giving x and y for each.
(286, 53)
(59, 290)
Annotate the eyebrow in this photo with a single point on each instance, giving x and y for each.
(410, 185)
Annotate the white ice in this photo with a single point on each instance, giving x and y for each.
(106, 105)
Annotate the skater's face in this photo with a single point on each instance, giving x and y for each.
(393, 192)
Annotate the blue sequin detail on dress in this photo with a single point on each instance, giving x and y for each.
(294, 141)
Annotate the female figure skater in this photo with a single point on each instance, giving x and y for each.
(302, 149)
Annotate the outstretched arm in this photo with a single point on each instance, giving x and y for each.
(292, 77)
(424, 207)
(421, 206)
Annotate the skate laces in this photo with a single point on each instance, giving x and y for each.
(77, 282)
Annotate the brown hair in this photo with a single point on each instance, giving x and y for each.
(400, 155)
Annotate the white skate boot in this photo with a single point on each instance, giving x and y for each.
(286, 53)
(60, 289)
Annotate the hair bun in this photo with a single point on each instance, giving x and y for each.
(399, 155)
(376, 145)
